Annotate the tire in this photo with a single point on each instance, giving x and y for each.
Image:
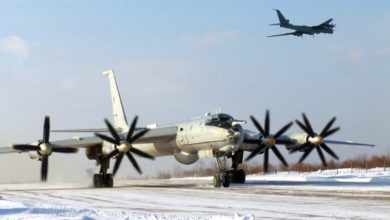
(226, 181)
(98, 180)
(240, 176)
(109, 181)
(217, 181)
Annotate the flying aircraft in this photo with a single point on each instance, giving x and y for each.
(215, 135)
(325, 27)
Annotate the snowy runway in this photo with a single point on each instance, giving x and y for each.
(196, 198)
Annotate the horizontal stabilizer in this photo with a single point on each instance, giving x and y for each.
(277, 24)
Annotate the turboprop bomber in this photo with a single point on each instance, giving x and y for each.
(219, 135)
(325, 27)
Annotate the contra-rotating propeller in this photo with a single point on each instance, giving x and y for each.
(267, 141)
(44, 148)
(123, 146)
(315, 140)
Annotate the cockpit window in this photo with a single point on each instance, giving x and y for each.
(220, 120)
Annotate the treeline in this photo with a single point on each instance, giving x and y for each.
(202, 169)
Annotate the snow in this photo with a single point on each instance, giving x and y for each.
(377, 175)
(285, 195)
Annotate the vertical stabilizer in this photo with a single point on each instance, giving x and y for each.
(282, 20)
(120, 120)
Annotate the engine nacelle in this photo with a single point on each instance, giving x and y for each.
(93, 153)
(185, 158)
(107, 148)
(300, 139)
(35, 155)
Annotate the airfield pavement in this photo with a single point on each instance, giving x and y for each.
(196, 198)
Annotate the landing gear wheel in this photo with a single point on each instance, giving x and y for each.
(226, 180)
(108, 181)
(100, 180)
(217, 181)
(238, 176)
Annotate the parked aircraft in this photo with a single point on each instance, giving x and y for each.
(325, 27)
(216, 135)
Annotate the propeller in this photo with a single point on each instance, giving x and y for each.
(268, 141)
(44, 148)
(315, 140)
(124, 146)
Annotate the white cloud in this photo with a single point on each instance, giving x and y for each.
(354, 55)
(16, 46)
(382, 52)
(212, 38)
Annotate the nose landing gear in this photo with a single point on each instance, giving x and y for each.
(224, 176)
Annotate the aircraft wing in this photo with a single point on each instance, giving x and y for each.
(295, 33)
(348, 143)
(7, 149)
(156, 135)
(83, 130)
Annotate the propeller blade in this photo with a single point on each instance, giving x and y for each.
(256, 151)
(265, 165)
(112, 131)
(44, 167)
(284, 129)
(307, 152)
(141, 153)
(302, 147)
(132, 128)
(138, 135)
(46, 130)
(106, 138)
(330, 132)
(329, 151)
(117, 163)
(307, 123)
(134, 162)
(257, 125)
(111, 154)
(266, 124)
(26, 147)
(328, 126)
(303, 127)
(64, 150)
(279, 155)
(321, 155)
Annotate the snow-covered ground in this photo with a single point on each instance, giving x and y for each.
(326, 195)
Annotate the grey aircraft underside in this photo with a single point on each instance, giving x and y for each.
(325, 27)
(218, 135)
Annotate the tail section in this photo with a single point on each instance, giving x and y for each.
(282, 20)
(120, 120)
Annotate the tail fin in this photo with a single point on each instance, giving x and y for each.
(120, 120)
(282, 20)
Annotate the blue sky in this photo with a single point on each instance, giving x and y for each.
(176, 60)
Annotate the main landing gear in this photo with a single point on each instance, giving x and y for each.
(238, 175)
(103, 179)
(224, 176)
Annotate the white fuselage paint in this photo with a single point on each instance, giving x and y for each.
(192, 136)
